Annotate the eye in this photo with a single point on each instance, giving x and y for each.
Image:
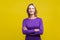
(29, 8)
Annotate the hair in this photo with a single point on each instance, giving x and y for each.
(28, 9)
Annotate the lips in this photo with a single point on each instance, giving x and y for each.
(31, 11)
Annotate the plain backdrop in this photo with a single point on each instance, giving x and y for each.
(12, 13)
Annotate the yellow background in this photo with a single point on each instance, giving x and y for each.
(12, 13)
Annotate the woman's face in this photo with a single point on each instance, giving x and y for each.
(31, 9)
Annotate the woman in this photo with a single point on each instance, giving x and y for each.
(32, 26)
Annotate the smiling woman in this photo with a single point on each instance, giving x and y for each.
(31, 9)
(32, 26)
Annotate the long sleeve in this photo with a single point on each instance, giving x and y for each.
(26, 31)
(41, 28)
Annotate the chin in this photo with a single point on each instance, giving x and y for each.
(31, 13)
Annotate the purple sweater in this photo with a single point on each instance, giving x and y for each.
(32, 24)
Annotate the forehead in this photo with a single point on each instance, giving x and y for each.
(31, 6)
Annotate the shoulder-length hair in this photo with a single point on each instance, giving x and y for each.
(28, 10)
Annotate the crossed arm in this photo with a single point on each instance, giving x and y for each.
(33, 31)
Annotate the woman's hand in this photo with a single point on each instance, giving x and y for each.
(36, 30)
(25, 28)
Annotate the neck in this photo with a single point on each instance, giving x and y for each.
(32, 16)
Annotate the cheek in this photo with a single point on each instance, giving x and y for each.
(29, 10)
(34, 10)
